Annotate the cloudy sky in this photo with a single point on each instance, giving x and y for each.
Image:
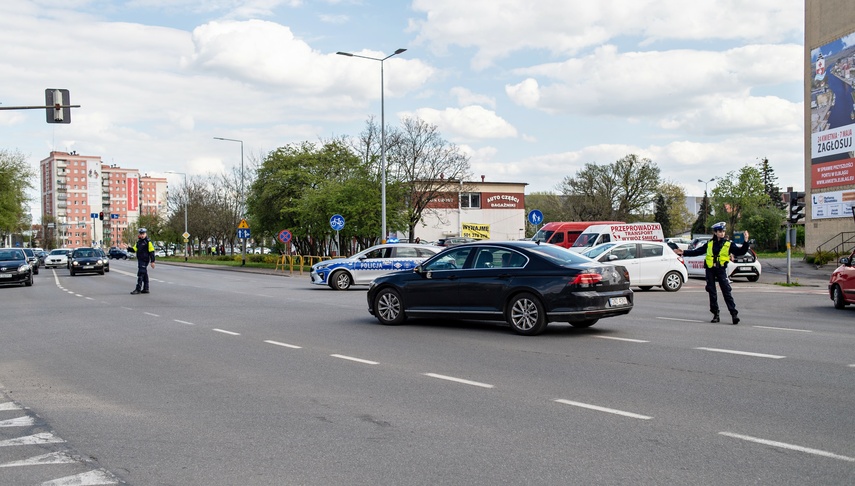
(531, 90)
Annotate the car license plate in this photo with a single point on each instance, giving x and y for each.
(5, 275)
(745, 269)
(616, 301)
(88, 267)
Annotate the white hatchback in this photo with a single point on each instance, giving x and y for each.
(650, 263)
(746, 265)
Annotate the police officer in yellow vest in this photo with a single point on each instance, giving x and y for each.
(145, 255)
(718, 251)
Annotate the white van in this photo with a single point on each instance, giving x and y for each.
(604, 233)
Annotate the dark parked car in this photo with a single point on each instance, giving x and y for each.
(455, 240)
(33, 259)
(118, 253)
(42, 255)
(86, 260)
(523, 283)
(104, 258)
(14, 267)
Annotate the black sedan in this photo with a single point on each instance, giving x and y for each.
(86, 260)
(524, 283)
(14, 267)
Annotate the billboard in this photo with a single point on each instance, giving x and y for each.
(832, 110)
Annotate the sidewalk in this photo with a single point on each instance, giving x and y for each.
(775, 270)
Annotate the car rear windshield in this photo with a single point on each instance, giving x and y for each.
(559, 255)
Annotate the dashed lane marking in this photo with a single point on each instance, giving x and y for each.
(677, 319)
(150, 314)
(603, 409)
(459, 380)
(782, 329)
(351, 358)
(286, 345)
(184, 322)
(230, 333)
(743, 353)
(622, 339)
(784, 445)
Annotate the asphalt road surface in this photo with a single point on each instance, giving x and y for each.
(231, 378)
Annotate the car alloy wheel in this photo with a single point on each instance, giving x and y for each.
(525, 315)
(837, 296)
(340, 280)
(672, 282)
(388, 307)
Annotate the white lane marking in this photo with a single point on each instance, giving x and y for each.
(743, 353)
(42, 438)
(51, 458)
(226, 332)
(603, 409)
(460, 380)
(184, 322)
(351, 358)
(126, 308)
(782, 328)
(784, 445)
(90, 478)
(150, 314)
(25, 421)
(89, 298)
(852, 366)
(277, 343)
(10, 406)
(622, 339)
(676, 319)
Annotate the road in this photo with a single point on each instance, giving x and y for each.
(224, 378)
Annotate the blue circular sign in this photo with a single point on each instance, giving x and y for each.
(284, 236)
(337, 222)
(535, 217)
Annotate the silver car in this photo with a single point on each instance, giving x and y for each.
(365, 266)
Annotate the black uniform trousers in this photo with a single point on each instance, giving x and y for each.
(719, 274)
(142, 275)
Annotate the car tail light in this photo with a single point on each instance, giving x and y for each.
(587, 279)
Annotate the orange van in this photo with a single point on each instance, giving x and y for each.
(564, 233)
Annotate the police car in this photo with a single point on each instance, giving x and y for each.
(365, 266)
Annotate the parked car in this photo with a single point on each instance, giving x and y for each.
(744, 266)
(650, 263)
(57, 258)
(523, 283)
(86, 260)
(104, 258)
(841, 287)
(118, 253)
(14, 267)
(455, 240)
(365, 266)
(681, 243)
(33, 259)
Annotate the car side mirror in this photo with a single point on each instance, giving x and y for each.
(844, 261)
(611, 258)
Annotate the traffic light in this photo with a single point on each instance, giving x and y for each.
(797, 207)
(101, 215)
(58, 103)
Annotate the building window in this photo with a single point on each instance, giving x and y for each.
(470, 200)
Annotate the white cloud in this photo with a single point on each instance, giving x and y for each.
(466, 97)
(470, 122)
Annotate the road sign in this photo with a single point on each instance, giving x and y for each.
(243, 233)
(535, 217)
(94, 215)
(114, 216)
(337, 222)
(243, 224)
(284, 236)
(186, 235)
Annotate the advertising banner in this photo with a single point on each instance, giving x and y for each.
(93, 185)
(837, 204)
(477, 231)
(832, 109)
(133, 194)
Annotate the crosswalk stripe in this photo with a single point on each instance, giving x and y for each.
(52, 458)
(36, 439)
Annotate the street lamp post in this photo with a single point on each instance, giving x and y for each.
(186, 197)
(382, 137)
(705, 183)
(240, 196)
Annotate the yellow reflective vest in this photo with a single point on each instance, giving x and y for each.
(723, 255)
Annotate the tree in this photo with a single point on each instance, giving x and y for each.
(619, 191)
(660, 214)
(15, 179)
(704, 215)
(679, 217)
(770, 180)
(424, 167)
(737, 193)
(551, 205)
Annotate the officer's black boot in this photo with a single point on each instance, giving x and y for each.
(135, 292)
(735, 319)
(715, 318)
